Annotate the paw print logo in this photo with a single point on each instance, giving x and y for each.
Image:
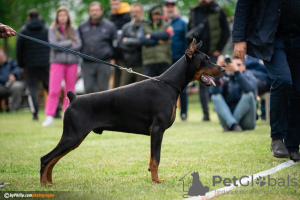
(260, 181)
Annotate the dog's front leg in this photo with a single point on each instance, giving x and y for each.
(156, 137)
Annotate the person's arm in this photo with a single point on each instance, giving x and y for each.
(53, 39)
(246, 80)
(6, 31)
(164, 35)
(239, 33)
(76, 45)
(15, 70)
(145, 41)
(3, 78)
(80, 35)
(132, 42)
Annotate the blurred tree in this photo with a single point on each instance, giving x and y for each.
(14, 12)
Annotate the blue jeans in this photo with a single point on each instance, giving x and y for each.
(284, 71)
(244, 113)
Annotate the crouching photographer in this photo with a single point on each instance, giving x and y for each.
(233, 97)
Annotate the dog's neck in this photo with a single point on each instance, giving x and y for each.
(176, 75)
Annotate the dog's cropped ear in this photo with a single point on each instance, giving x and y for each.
(190, 51)
(199, 45)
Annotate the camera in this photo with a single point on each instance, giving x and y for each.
(227, 58)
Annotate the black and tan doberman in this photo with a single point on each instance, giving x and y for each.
(147, 107)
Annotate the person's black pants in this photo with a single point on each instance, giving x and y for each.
(284, 71)
(33, 75)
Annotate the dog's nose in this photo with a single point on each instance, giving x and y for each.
(223, 69)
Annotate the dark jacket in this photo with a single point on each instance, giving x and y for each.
(131, 48)
(97, 41)
(9, 67)
(179, 43)
(122, 17)
(232, 87)
(215, 32)
(30, 53)
(257, 69)
(256, 22)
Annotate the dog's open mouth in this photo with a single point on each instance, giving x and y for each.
(207, 80)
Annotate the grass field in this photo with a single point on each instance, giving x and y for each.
(114, 165)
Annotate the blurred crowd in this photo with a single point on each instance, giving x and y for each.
(148, 46)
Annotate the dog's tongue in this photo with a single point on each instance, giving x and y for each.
(209, 79)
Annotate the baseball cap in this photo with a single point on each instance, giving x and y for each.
(170, 2)
(157, 10)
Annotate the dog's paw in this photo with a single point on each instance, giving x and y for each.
(158, 181)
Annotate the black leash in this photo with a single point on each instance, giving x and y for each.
(129, 70)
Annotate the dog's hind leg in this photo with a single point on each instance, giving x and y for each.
(156, 137)
(65, 145)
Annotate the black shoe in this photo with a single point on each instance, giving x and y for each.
(295, 156)
(278, 149)
(183, 117)
(206, 118)
(236, 128)
(57, 113)
(225, 129)
(35, 117)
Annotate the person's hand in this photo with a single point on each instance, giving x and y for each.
(232, 67)
(12, 78)
(240, 49)
(124, 39)
(148, 36)
(112, 61)
(162, 41)
(6, 31)
(221, 61)
(216, 53)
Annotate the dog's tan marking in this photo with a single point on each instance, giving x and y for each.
(154, 171)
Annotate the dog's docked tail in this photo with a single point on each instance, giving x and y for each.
(71, 96)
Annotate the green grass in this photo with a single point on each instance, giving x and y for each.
(114, 165)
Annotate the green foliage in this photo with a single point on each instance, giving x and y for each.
(14, 12)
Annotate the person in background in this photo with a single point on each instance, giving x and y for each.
(131, 46)
(63, 65)
(97, 36)
(119, 15)
(34, 57)
(233, 97)
(270, 30)
(258, 69)
(155, 38)
(10, 84)
(208, 23)
(179, 45)
(6, 31)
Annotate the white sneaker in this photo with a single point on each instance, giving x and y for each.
(48, 121)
